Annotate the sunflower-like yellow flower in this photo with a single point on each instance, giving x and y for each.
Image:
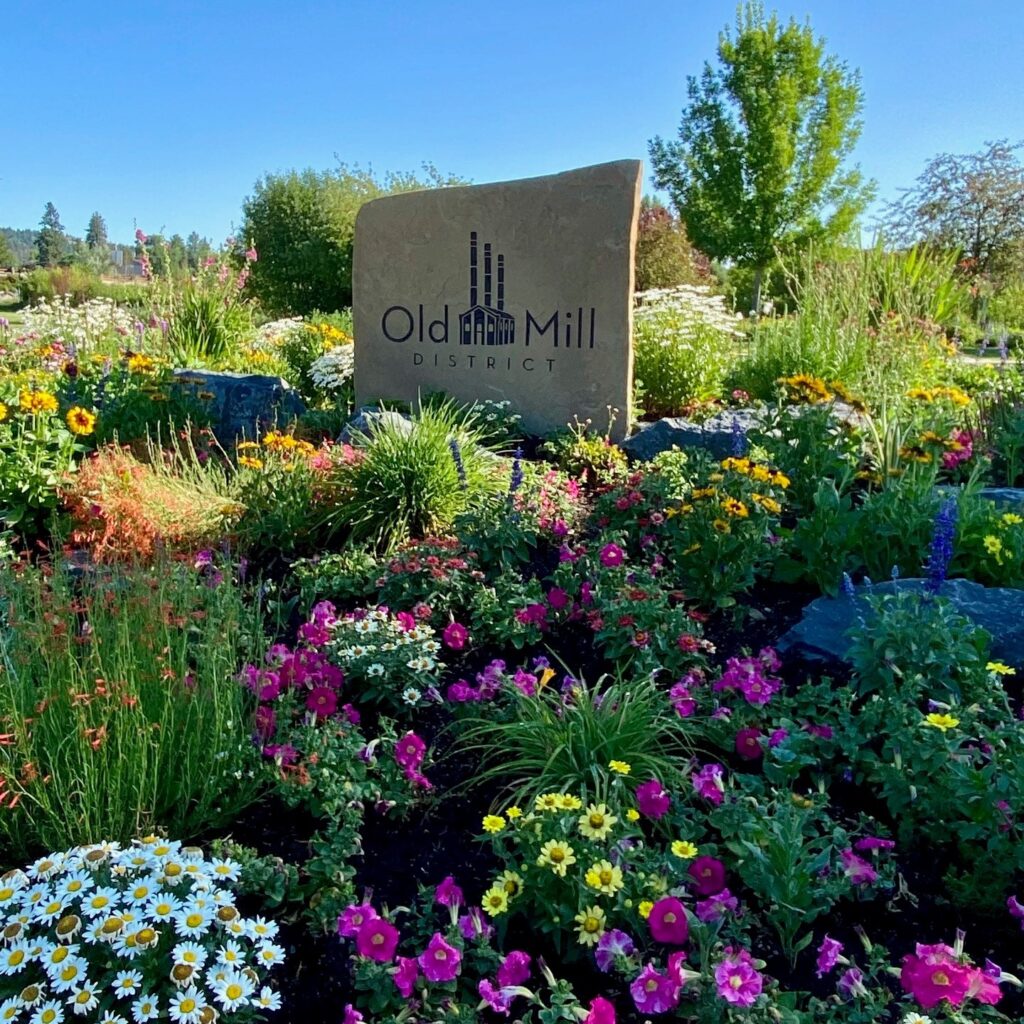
(37, 402)
(942, 722)
(512, 813)
(557, 855)
(511, 883)
(590, 925)
(683, 849)
(1000, 669)
(548, 802)
(605, 877)
(620, 767)
(494, 901)
(493, 823)
(80, 421)
(570, 802)
(735, 507)
(249, 462)
(3, 412)
(645, 908)
(597, 822)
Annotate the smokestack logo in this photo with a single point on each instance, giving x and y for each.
(486, 323)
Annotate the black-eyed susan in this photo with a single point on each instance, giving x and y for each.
(735, 507)
(80, 421)
(37, 402)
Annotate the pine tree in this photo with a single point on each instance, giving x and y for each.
(96, 233)
(51, 241)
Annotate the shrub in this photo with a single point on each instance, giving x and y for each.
(411, 481)
(664, 256)
(120, 707)
(682, 338)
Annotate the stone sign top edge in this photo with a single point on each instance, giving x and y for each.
(632, 169)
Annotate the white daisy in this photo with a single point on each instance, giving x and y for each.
(49, 1013)
(127, 983)
(186, 1006)
(145, 1008)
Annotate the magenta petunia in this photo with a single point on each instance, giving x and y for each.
(439, 961)
(717, 906)
(653, 992)
(736, 980)
(557, 598)
(455, 636)
(410, 751)
(873, 843)
(828, 955)
(932, 974)
(448, 894)
(652, 800)
(351, 1015)
(612, 555)
(857, 870)
(514, 969)
(377, 939)
(709, 783)
(322, 701)
(601, 1012)
(748, 744)
(353, 917)
(406, 975)
(498, 999)
(708, 874)
(667, 921)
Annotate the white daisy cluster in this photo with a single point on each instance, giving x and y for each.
(373, 644)
(676, 314)
(82, 326)
(113, 935)
(333, 370)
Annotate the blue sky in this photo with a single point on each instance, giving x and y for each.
(164, 114)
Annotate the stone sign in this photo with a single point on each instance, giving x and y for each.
(520, 290)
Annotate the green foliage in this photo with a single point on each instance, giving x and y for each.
(583, 453)
(122, 703)
(1006, 307)
(203, 329)
(555, 742)
(407, 483)
(79, 283)
(96, 233)
(302, 223)
(664, 256)
(51, 242)
(761, 145)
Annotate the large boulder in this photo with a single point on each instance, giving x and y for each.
(369, 417)
(821, 634)
(241, 404)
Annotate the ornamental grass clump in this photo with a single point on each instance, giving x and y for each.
(119, 710)
(414, 478)
(147, 932)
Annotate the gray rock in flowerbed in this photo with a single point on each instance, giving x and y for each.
(368, 418)
(717, 434)
(241, 404)
(821, 634)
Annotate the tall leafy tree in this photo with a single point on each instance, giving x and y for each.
(972, 202)
(51, 242)
(759, 163)
(6, 252)
(96, 233)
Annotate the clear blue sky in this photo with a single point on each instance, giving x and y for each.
(164, 114)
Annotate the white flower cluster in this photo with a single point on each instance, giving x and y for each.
(678, 313)
(333, 370)
(57, 320)
(113, 935)
(373, 643)
(271, 333)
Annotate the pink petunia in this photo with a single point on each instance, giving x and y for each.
(612, 555)
(455, 636)
(653, 992)
(377, 939)
(667, 921)
(736, 980)
(708, 874)
(601, 1012)
(652, 800)
(353, 917)
(406, 976)
(439, 961)
(514, 969)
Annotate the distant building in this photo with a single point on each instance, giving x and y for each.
(482, 323)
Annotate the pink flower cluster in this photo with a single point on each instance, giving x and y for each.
(934, 973)
(751, 677)
(409, 753)
(961, 449)
(709, 783)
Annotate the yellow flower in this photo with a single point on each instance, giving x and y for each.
(735, 508)
(512, 813)
(645, 908)
(548, 802)
(721, 526)
(80, 421)
(1000, 669)
(692, 549)
(140, 364)
(761, 474)
(590, 925)
(3, 412)
(702, 492)
(942, 722)
(778, 478)
(493, 823)
(545, 677)
(768, 504)
(568, 802)
(620, 767)
(993, 545)
(597, 822)
(511, 883)
(557, 855)
(248, 462)
(246, 446)
(633, 814)
(495, 901)
(37, 402)
(605, 877)
(684, 849)
(1008, 518)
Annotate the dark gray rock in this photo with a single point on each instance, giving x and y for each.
(241, 404)
(368, 417)
(715, 435)
(820, 636)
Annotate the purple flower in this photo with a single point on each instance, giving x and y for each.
(652, 800)
(448, 894)
(736, 980)
(708, 874)
(498, 999)
(612, 943)
(708, 783)
(873, 843)
(851, 982)
(473, 926)
(353, 918)
(653, 992)
(352, 1015)
(941, 552)
(828, 955)
(439, 961)
(717, 906)
(1016, 909)
(377, 939)
(406, 976)
(514, 969)
(667, 921)
(857, 870)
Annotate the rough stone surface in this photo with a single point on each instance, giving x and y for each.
(821, 633)
(545, 318)
(242, 404)
(714, 434)
(369, 417)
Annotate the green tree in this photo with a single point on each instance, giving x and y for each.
(762, 143)
(196, 250)
(664, 256)
(96, 233)
(51, 241)
(973, 203)
(6, 252)
(302, 225)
